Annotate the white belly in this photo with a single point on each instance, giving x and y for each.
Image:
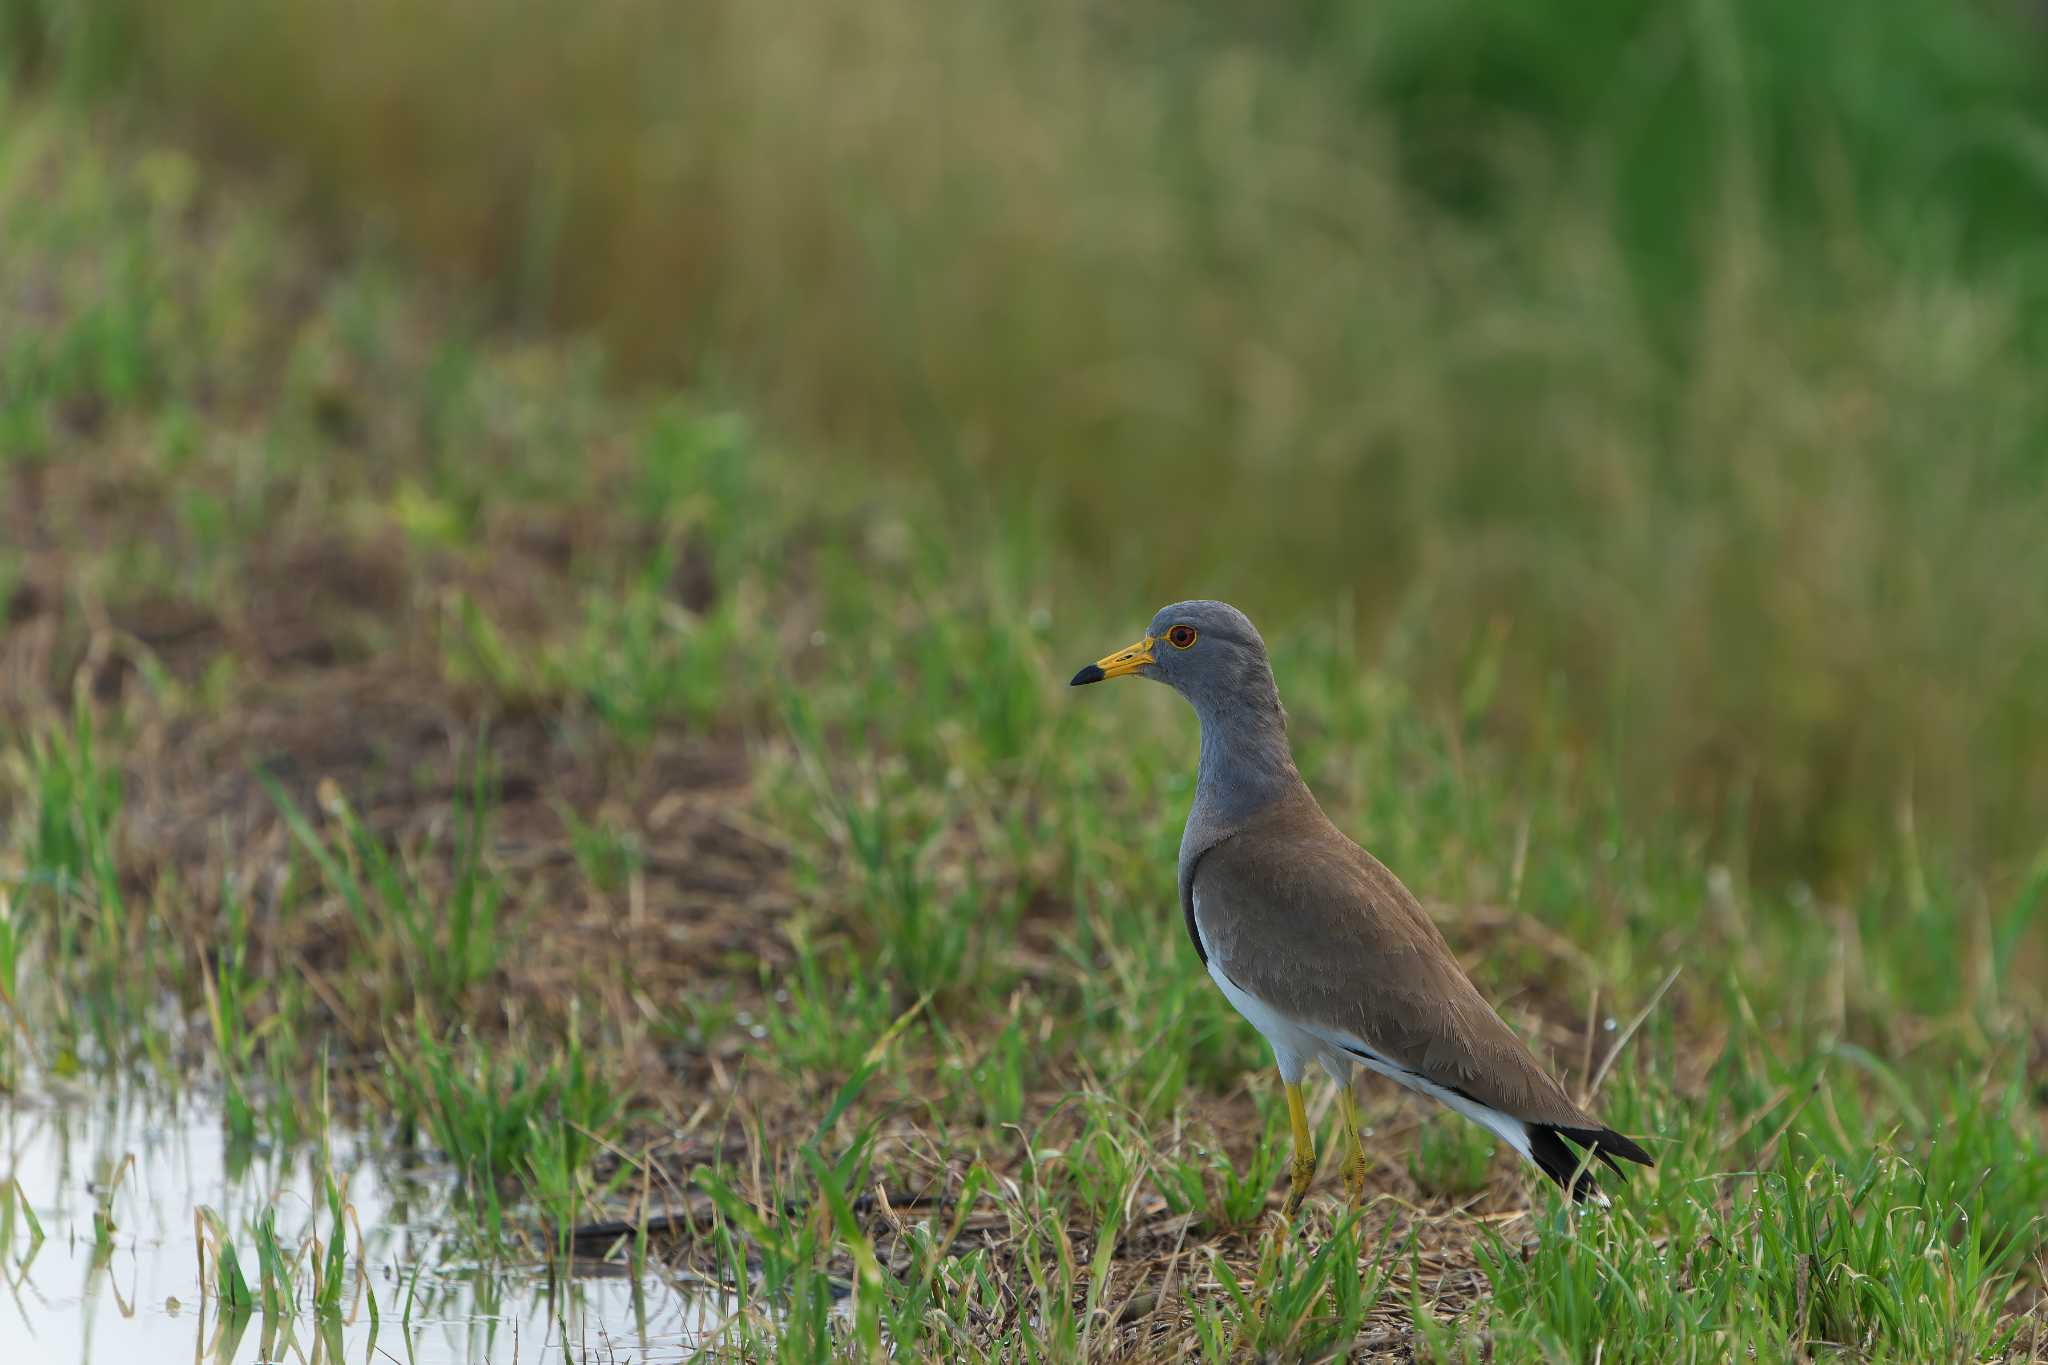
(1293, 1046)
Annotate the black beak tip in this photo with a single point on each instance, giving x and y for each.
(1090, 674)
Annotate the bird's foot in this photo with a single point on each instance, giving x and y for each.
(1300, 1173)
(1356, 1168)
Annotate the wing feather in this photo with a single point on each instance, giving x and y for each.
(1310, 923)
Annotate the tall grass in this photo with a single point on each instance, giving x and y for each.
(1687, 354)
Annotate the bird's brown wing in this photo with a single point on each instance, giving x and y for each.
(1318, 929)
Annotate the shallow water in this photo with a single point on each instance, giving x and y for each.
(139, 1300)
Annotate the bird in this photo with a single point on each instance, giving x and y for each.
(1317, 944)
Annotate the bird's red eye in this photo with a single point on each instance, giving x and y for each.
(1180, 637)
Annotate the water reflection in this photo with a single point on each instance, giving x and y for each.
(101, 1255)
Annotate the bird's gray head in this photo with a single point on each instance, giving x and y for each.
(1208, 652)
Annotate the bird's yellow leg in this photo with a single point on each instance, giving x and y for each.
(1303, 1168)
(1355, 1164)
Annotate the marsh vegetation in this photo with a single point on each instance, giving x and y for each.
(534, 643)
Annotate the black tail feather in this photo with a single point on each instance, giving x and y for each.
(1563, 1165)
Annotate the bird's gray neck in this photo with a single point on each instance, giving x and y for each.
(1246, 765)
(1245, 768)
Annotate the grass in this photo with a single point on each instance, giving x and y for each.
(1686, 352)
(588, 788)
(1299, 1302)
(442, 942)
(507, 1123)
(308, 1275)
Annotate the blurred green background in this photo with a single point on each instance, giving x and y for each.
(1662, 380)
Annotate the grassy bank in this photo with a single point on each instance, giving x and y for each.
(1676, 366)
(585, 788)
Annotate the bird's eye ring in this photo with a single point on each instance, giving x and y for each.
(1181, 637)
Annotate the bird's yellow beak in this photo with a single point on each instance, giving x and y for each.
(1129, 659)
